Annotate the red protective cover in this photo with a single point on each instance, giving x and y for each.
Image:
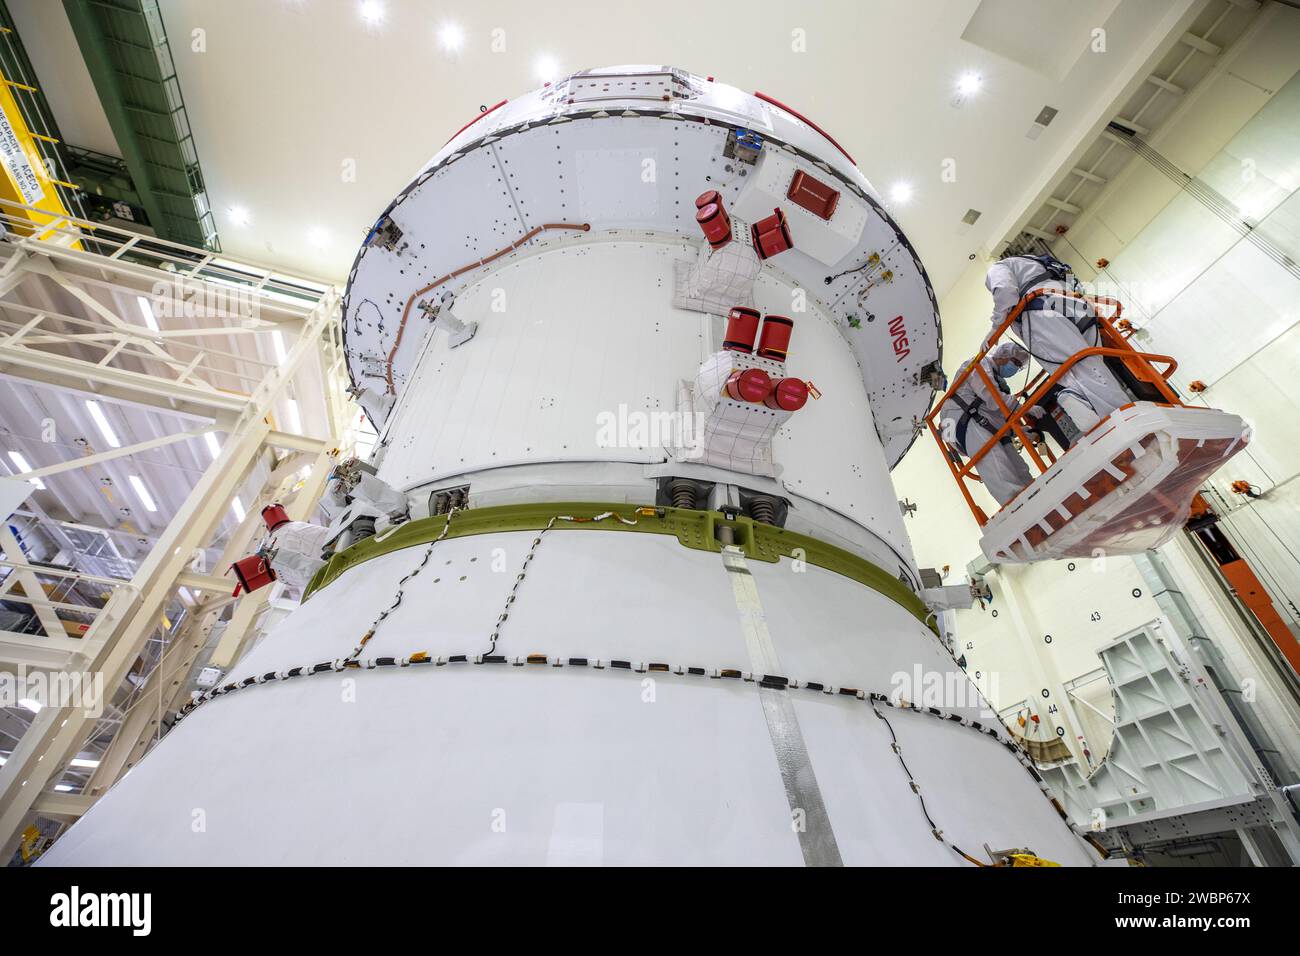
(813, 195)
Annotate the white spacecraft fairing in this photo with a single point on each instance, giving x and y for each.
(653, 345)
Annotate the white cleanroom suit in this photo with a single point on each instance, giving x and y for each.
(1050, 330)
(296, 548)
(971, 416)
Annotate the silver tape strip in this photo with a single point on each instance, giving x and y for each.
(816, 838)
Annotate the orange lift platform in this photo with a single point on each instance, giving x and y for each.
(1125, 486)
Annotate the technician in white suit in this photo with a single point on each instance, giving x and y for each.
(1053, 328)
(972, 416)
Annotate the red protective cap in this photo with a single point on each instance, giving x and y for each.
(771, 236)
(274, 516)
(749, 385)
(742, 329)
(788, 394)
(705, 198)
(252, 573)
(715, 223)
(774, 343)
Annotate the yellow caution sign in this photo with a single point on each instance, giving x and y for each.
(25, 180)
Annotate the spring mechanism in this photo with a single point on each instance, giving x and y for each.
(763, 510)
(684, 494)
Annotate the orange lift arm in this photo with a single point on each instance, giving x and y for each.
(1241, 579)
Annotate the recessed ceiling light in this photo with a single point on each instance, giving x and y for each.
(21, 463)
(372, 11)
(547, 68)
(142, 492)
(62, 788)
(451, 37)
(238, 215)
(146, 310)
(211, 439)
(101, 422)
(969, 84)
(900, 193)
(84, 762)
(237, 507)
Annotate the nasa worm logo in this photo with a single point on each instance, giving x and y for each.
(899, 333)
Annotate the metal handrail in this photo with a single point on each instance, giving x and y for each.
(1139, 362)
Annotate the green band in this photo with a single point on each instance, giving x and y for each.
(693, 529)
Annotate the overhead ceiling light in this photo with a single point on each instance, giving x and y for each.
(239, 215)
(146, 309)
(237, 507)
(277, 342)
(62, 788)
(900, 193)
(451, 37)
(295, 418)
(83, 762)
(101, 422)
(547, 68)
(372, 11)
(211, 439)
(23, 466)
(142, 492)
(969, 84)
(33, 705)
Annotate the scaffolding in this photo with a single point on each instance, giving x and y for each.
(207, 367)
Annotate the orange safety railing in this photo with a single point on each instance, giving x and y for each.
(1114, 333)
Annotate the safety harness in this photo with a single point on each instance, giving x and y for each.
(971, 410)
(1077, 311)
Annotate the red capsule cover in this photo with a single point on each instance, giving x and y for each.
(705, 198)
(274, 516)
(715, 223)
(774, 342)
(788, 394)
(252, 573)
(749, 385)
(742, 329)
(771, 236)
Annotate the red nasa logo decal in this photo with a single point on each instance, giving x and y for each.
(899, 334)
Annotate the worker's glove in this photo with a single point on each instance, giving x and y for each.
(1037, 411)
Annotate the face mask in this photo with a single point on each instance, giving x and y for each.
(1009, 369)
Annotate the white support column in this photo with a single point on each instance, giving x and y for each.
(1026, 626)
